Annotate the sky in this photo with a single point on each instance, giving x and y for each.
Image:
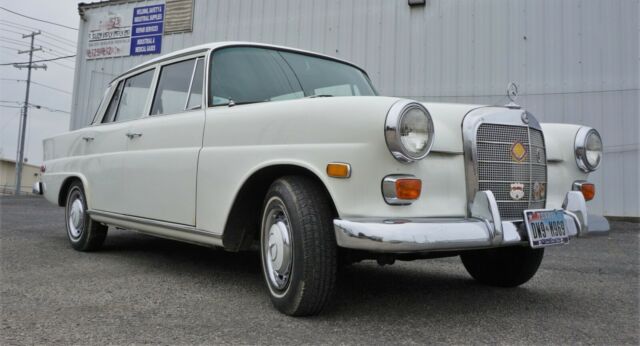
(54, 84)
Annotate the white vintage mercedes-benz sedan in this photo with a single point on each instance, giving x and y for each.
(244, 145)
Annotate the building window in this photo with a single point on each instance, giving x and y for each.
(178, 17)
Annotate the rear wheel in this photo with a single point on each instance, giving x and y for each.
(503, 267)
(84, 234)
(297, 246)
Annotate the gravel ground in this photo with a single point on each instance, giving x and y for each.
(141, 289)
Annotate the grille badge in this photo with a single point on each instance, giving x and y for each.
(517, 191)
(518, 151)
(539, 191)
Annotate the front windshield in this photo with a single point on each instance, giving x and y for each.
(251, 74)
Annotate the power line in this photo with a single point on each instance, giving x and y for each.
(12, 31)
(16, 42)
(43, 60)
(54, 62)
(10, 119)
(34, 106)
(19, 26)
(12, 48)
(36, 19)
(50, 87)
(36, 83)
(48, 108)
(61, 49)
(72, 44)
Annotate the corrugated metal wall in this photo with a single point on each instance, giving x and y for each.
(576, 61)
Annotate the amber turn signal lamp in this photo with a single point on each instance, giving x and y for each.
(401, 189)
(588, 191)
(408, 188)
(338, 170)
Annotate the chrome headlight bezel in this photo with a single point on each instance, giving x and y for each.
(582, 138)
(392, 127)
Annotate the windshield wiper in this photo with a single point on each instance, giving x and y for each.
(318, 95)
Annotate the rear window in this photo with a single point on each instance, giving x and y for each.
(134, 96)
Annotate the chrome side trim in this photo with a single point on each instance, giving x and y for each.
(158, 228)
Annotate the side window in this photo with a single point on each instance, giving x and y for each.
(134, 96)
(102, 101)
(195, 94)
(113, 105)
(250, 74)
(172, 92)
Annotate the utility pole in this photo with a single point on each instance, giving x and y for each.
(23, 119)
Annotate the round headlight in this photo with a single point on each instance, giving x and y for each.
(409, 131)
(588, 149)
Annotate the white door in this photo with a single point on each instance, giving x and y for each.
(162, 156)
(105, 144)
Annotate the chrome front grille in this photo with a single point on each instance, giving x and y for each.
(499, 170)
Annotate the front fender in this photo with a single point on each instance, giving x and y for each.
(562, 169)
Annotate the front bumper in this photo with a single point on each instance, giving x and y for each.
(484, 229)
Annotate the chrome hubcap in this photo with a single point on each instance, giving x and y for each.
(277, 249)
(76, 217)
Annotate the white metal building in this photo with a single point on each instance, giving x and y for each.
(575, 61)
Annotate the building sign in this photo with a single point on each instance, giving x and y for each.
(126, 31)
(146, 37)
(109, 36)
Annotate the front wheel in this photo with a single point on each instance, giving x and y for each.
(84, 234)
(297, 246)
(503, 267)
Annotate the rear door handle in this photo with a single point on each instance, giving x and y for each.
(87, 138)
(133, 135)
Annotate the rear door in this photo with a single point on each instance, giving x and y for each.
(162, 156)
(105, 144)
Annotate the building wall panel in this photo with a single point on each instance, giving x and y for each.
(575, 61)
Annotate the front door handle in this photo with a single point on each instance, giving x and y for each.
(87, 138)
(133, 135)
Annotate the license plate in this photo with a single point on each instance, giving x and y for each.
(546, 227)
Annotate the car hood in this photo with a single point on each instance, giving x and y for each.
(447, 123)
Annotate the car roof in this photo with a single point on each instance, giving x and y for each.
(216, 45)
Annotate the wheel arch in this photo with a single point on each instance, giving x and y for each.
(243, 222)
(64, 188)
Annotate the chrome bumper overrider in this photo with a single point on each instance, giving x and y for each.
(484, 229)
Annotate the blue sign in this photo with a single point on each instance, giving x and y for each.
(148, 14)
(147, 28)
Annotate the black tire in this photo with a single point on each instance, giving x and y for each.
(312, 249)
(503, 267)
(84, 234)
